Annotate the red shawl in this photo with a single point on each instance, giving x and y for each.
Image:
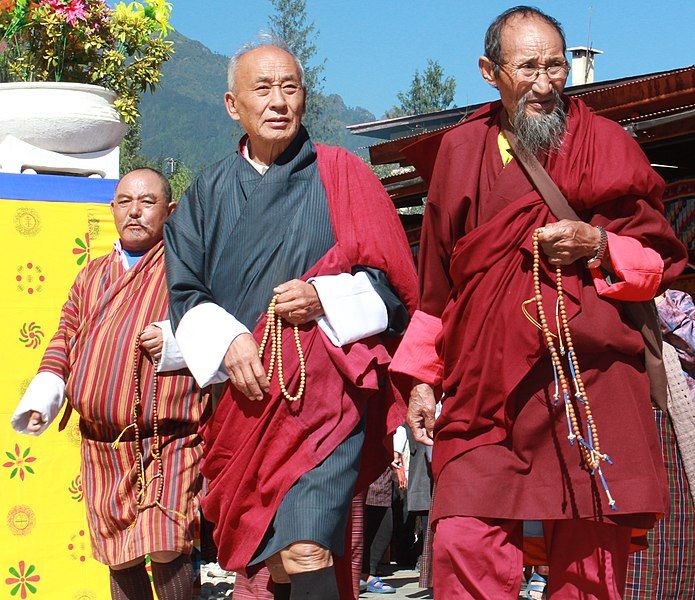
(255, 451)
(476, 261)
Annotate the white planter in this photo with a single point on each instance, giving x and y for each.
(72, 118)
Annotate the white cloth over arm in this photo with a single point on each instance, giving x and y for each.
(45, 394)
(400, 439)
(352, 308)
(204, 335)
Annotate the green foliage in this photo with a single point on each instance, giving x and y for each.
(85, 41)
(428, 92)
(180, 179)
(289, 23)
(131, 156)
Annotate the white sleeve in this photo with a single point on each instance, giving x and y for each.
(352, 308)
(45, 394)
(171, 359)
(204, 335)
(400, 440)
(437, 412)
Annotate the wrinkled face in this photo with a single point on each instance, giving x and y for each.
(268, 99)
(139, 210)
(527, 43)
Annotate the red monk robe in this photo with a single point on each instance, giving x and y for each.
(501, 448)
(256, 451)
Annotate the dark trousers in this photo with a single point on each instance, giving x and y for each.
(378, 528)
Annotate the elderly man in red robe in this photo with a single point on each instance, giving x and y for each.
(115, 358)
(290, 277)
(502, 451)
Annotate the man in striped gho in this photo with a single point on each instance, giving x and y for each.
(116, 360)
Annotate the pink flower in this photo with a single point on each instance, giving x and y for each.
(72, 9)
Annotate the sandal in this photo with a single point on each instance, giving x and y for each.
(535, 589)
(376, 586)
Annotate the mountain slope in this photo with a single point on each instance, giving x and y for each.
(185, 118)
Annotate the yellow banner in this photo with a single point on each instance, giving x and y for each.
(46, 550)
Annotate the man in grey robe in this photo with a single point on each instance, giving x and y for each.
(311, 226)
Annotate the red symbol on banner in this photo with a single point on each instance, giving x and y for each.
(30, 278)
(78, 546)
(31, 335)
(83, 249)
(18, 462)
(75, 489)
(22, 579)
(21, 519)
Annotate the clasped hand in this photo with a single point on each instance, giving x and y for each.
(567, 241)
(152, 341)
(297, 303)
(421, 407)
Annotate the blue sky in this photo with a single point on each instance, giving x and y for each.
(373, 47)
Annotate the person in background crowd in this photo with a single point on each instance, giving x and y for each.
(666, 569)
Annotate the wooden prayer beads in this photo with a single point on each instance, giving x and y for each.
(590, 448)
(143, 484)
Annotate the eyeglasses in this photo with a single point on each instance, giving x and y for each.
(531, 73)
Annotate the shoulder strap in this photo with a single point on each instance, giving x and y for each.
(546, 187)
(642, 314)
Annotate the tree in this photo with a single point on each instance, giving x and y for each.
(428, 92)
(290, 24)
(180, 179)
(131, 156)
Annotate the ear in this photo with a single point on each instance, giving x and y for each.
(111, 205)
(487, 70)
(230, 105)
(171, 207)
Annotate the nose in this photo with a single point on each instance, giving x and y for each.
(135, 209)
(278, 101)
(542, 85)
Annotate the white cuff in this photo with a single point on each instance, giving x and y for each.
(352, 308)
(45, 394)
(400, 440)
(171, 359)
(204, 335)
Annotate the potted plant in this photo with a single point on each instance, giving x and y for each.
(71, 47)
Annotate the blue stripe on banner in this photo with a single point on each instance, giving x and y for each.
(56, 188)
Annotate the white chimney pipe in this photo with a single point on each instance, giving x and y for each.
(583, 64)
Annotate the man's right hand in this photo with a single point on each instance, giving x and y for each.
(35, 422)
(420, 417)
(245, 370)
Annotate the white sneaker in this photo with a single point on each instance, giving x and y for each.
(214, 570)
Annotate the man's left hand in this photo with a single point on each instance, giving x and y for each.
(298, 302)
(567, 241)
(152, 341)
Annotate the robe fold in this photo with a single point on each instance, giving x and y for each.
(501, 448)
(256, 451)
(93, 352)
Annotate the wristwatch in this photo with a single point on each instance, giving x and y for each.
(595, 261)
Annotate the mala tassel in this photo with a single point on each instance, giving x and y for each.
(556, 395)
(611, 501)
(570, 360)
(589, 447)
(117, 441)
(570, 434)
(169, 510)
